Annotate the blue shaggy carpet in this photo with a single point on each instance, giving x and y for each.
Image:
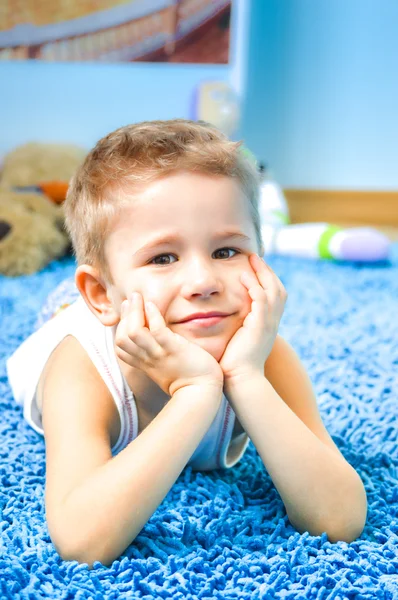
(225, 534)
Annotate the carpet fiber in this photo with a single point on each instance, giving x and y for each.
(225, 534)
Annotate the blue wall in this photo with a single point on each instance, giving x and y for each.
(322, 92)
(318, 77)
(78, 103)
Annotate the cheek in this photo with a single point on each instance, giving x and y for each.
(149, 288)
(153, 289)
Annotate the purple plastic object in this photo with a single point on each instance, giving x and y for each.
(365, 244)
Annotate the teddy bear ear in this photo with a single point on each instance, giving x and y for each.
(5, 229)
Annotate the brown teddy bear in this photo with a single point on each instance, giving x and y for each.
(33, 185)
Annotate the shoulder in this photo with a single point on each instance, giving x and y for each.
(79, 422)
(71, 388)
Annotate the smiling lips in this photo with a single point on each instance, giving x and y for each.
(205, 319)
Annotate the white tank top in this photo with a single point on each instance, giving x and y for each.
(25, 366)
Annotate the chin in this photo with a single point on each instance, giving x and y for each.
(214, 346)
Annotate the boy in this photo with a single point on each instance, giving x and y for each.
(171, 356)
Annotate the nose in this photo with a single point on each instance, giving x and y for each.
(201, 278)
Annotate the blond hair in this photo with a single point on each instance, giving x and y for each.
(136, 155)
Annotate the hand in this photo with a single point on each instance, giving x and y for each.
(169, 359)
(251, 345)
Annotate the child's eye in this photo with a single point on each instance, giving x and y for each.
(227, 250)
(161, 262)
(159, 259)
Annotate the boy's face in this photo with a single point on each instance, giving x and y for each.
(195, 269)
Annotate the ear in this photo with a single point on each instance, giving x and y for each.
(94, 290)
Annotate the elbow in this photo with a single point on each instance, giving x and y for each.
(346, 521)
(351, 520)
(343, 520)
(85, 558)
(338, 529)
(81, 546)
(68, 548)
(345, 530)
(84, 554)
(78, 538)
(72, 552)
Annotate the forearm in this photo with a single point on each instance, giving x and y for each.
(320, 490)
(106, 512)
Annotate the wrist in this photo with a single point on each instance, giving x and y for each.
(208, 395)
(206, 384)
(242, 378)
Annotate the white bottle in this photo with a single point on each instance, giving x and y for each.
(273, 207)
(326, 241)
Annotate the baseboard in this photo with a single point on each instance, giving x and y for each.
(354, 207)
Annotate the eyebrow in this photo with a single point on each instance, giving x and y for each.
(175, 237)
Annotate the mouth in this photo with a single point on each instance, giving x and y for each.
(204, 321)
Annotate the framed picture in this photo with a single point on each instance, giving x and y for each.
(174, 31)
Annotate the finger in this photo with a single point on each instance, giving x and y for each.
(158, 328)
(257, 317)
(133, 336)
(126, 348)
(265, 303)
(282, 293)
(134, 359)
(267, 278)
(253, 285)
(154, 316)
(249, 279)
(262, 271)
(123, 309)
(133, 311)
(254, 289)
(250, 322)
(259, 306)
